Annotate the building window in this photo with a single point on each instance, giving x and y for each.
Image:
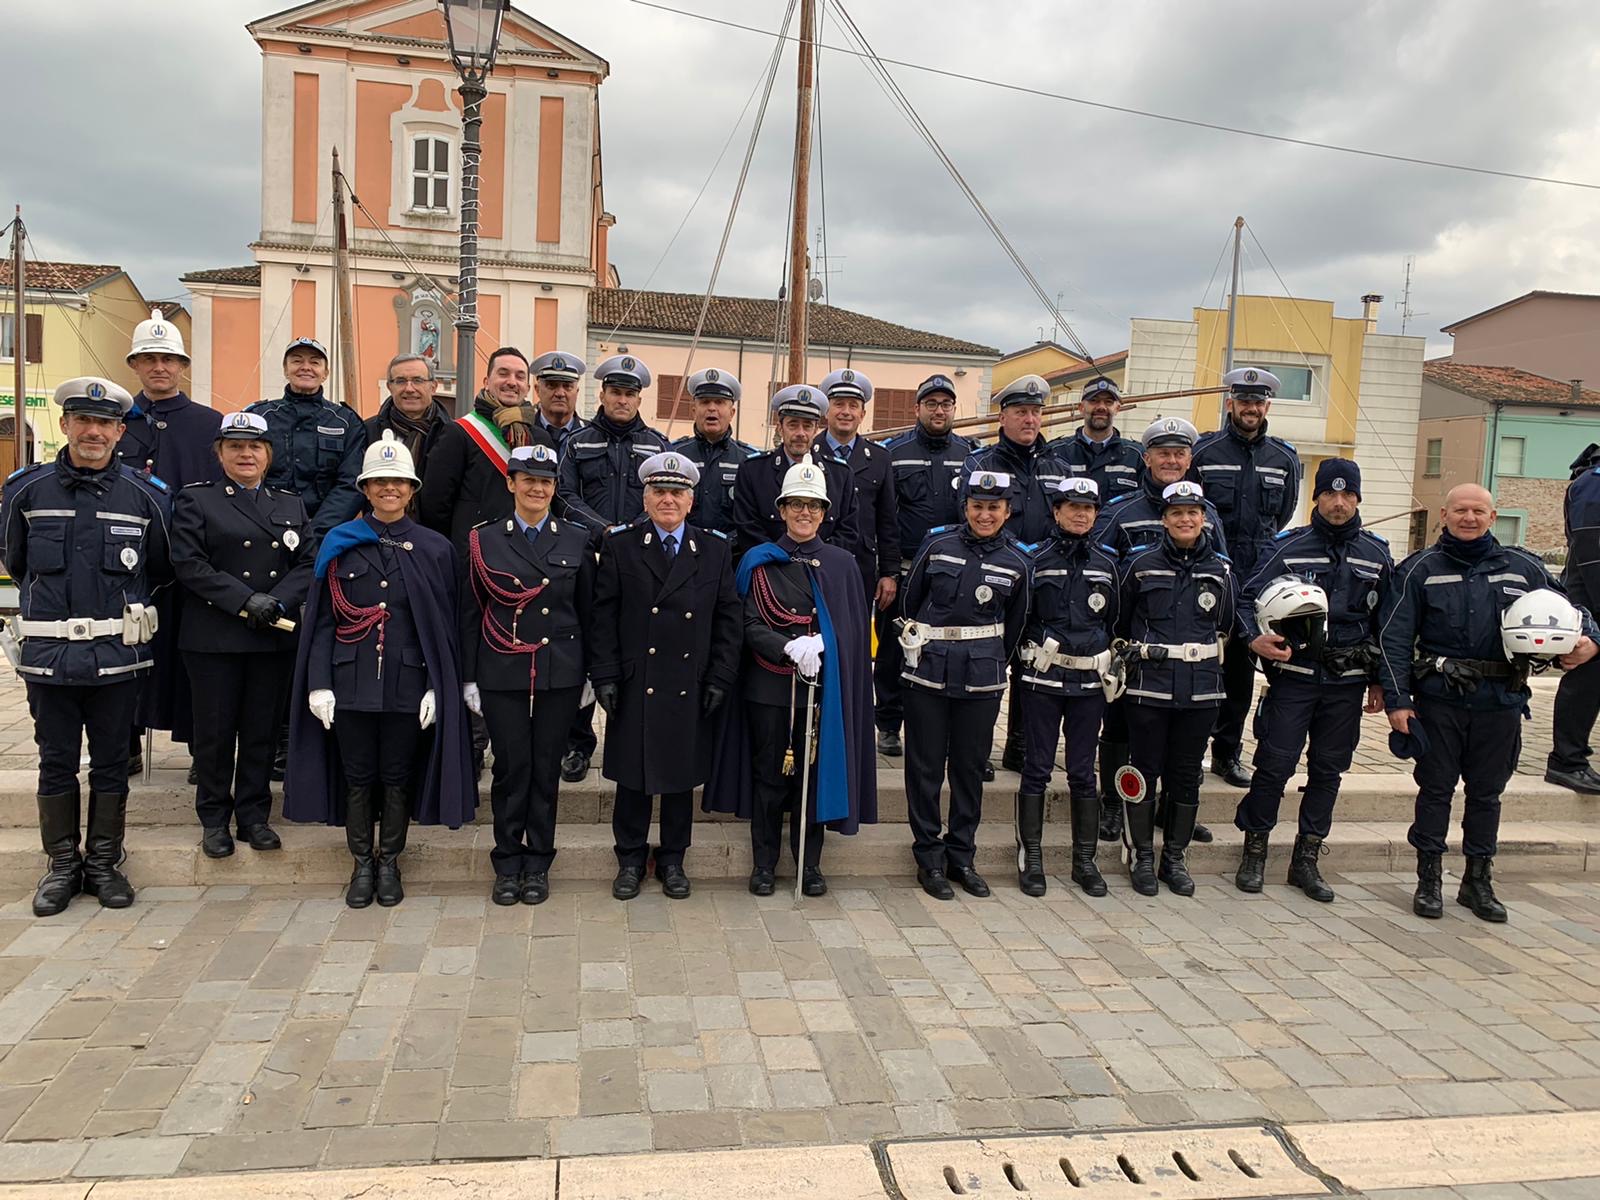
(666, 391)
(430, 174)
(1509, 461)
(1419, 529)
(1296, 385)
(893, 407)
(1508, 529)
(33, 328)
(1434, 459)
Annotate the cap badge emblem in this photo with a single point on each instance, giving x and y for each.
(1171, 426)
(1033, 387)
(1339, 484)
(848, 376)
(627, 364)
(95, 392)
(158, 331)
(986, 482)
(670, 463)
(713, 375)
(558, 364)
(1250, 376)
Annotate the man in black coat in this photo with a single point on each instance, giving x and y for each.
(877, 525)
(798, 410)
(667, 631)
(168, 436)
(713, 448)
(410, 410)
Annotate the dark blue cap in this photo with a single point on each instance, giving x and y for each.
(1337, 475)
(1412, 744)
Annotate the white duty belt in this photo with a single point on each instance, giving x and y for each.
(914, 635)
(1182, 651)
(136, 626)
(1043, 658)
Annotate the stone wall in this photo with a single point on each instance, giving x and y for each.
(1544, 530)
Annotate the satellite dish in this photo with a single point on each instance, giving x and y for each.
(814, 289)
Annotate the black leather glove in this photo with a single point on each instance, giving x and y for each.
(605, 695)
(261, 610)
(711, 698)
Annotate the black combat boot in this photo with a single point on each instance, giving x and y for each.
(58, 829)
(1085, 822)
(1477, 891)
(1030, 833)
(1142, 833)
(392, 826)
(1428, 902)
(358, 836)
(1303, 872)
(103, 852)
(1179, 829)
(1252, 873)
(1112, 756)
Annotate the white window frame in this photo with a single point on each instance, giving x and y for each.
(1521, 523)
(1430, 461)
(8, 321)
(430, 173)
(1522, 456)
(1319, 387)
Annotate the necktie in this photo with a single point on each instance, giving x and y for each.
(670, 542)
(533, 534)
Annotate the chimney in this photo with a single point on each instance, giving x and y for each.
(1369, 310)
(1577, 391)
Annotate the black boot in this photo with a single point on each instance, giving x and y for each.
(392, 826)
(1142, 833)
(103, 851)
(1085, 819)
(1428, 902)
(280, 754)
(1303, 872)
(1011, 756)
(1179, 828)
(58, 830)
(358, 836)
(1112, 756)
(1030, 833)
(1477, 891)
(1252, 873)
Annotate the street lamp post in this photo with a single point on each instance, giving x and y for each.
(473, 27)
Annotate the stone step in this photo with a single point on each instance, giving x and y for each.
(315, 854)
(168, 800)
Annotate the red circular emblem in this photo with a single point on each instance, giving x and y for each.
(1130, 784)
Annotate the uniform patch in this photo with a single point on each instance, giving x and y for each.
(127, 531)
(1096, 602)
(291, 539)
(129, 557)
(1207, 601)
(983, 593)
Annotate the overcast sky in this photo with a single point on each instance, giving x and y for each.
(139, 145)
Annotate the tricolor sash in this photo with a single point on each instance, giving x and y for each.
(489, 439)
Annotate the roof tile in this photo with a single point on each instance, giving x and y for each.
(249, 276)
(1505, 385)
(59, 276)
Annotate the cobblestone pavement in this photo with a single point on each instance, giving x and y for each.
(231, 1028)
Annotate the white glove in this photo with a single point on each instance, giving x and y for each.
(472, 698)
(586, 697)
(805, 653)
(425, 712)
(321, 704)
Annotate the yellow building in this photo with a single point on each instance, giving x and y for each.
(1041, 358)
(78, 319)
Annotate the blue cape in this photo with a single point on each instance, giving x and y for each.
(340, 538)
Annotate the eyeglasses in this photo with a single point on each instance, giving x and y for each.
(806, 505)
(410, 380)
(929, 402)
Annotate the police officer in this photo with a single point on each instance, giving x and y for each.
(524, 655)
(1253, 479)
(1097, 449)
(240, 550)
(798, 412)
(667, 630)
(555, 389)
(1176, 611)
(1020, 454)
(85, 539)
(169, 436)
(966, 601)
(1444, 667)
(410, 410)
(713, 449)
(1318, 675)
(1127, 522)
(1065, 652)
(926, 462)
(848, 393)
(316, 444)
(1578, 697)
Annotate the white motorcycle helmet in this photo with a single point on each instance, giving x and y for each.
(1540, 624)
(1296, 610)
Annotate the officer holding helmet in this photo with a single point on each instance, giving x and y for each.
(1454, 673)
(1254, 480)
(1176, 610)
(713, 449)
(1310, 613)
(1096, 449)
(1066, 652)
(966, 600)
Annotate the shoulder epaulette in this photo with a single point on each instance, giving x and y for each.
(1141, 548)
(199, 483)
(490, 521)
(1377, 536)
(1287, 444)
(713, 532)
(1111, 550)
(1222, 556)
(1121, 498)
(20, 471)
(149, 480)
(941, 529)
(1029, 547)
(1283, 533)
(618, 528)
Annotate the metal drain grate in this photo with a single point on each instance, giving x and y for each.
(1178, 1164)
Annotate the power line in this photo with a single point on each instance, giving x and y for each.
(1215, 127)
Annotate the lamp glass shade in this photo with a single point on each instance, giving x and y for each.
(474, 31)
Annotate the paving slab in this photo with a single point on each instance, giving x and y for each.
(823, 1173)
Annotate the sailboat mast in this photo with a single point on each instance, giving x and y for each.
(1233, 311)
(799, 262)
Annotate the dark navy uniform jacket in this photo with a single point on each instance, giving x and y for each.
(1174, 597)
(960, 579)
(1441, 603)
(599, 480)
(1116, 464)
(316, 454)
(228, 543)
(719, 464)
(1353, 570)
(1254, 484)
(927, 479)
(1582, 512)
(789, 582)
(877, 548)
(1075, 601)
(558, 434)
(1034, 474)
(84, 544)
(1135, 520)
(559, 562)
(755, 502)
(171, 439)
(371, 575)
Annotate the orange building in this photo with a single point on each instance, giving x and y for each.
(373, 79)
